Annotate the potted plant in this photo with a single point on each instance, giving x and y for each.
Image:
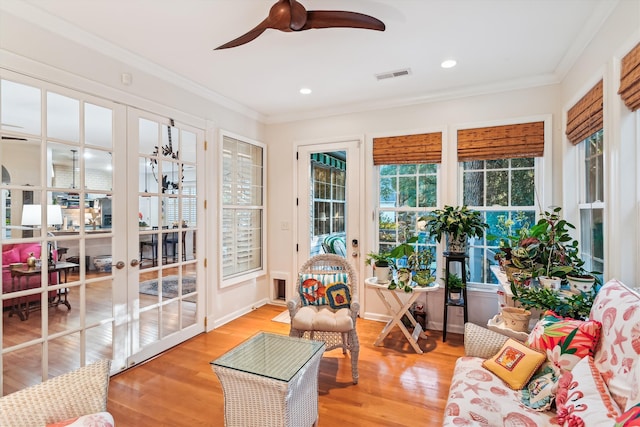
(576, 306)
(454, 287)
(382, 263)
(580, 280)
(457, 225)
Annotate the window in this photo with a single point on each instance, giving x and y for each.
(504, 190)
(242, 206)
(329, 194)
(406, 193)
(592, 204)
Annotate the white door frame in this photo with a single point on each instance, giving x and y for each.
(355, 201)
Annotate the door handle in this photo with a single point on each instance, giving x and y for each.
(134, 262)
(119, 265)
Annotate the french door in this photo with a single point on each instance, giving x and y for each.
(329, 200)
(108, 180)
(165, 295)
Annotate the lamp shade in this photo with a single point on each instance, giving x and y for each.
(31, 215)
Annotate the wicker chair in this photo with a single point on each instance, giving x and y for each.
(336, 327)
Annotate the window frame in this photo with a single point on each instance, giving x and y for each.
(242, 276)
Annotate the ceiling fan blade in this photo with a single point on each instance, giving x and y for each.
(247, 37)
(342, 19)
(298, 15)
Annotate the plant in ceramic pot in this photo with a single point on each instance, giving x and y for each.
(457, 224)
(382, 263)
(454, 287)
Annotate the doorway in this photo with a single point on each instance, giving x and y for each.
(329, 201)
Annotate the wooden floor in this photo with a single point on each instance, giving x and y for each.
(397, 387)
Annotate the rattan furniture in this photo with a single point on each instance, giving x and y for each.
(336, 328)
(270, 380)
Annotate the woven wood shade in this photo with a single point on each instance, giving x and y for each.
(630, 79)
(501, 142)
(585, 118)
(408, 149)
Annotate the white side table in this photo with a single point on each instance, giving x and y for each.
(397, 308)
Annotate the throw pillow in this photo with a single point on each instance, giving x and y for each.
(583, 397)
(515, 363)
(566, 341)
(313, 287)
(631, 418)
(339, 296)
(540, 391)
(11, 256)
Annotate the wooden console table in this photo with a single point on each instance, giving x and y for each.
(18, 284)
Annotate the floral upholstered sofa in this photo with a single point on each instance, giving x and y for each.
(588, 375)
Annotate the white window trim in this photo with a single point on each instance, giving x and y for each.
(225, 282)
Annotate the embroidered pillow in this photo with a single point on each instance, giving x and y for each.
(583, 397)
(540, 391)
(631, 418)
(339, 296)
(515, 363)
(566, 341)
(313, 287)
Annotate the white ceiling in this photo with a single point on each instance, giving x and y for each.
(499, 45)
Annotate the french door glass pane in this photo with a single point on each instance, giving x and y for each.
(20, 108)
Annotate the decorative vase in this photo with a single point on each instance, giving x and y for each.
(382, 274)
(31, 260)
(456, 245)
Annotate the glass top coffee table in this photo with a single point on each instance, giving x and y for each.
(270, 380)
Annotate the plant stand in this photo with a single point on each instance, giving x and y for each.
(448, 259)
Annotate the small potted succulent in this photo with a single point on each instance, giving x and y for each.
(457, 224)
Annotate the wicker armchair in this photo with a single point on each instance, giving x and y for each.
(335, 326)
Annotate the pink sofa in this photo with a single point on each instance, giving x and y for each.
(14, 253)
(595, 392)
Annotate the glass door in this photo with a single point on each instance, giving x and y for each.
(329, 200)
(58, 288)
(165, 293)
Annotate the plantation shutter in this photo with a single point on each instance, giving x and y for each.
(630, 79)
(585, 118)
(408, 149)
(501, 142)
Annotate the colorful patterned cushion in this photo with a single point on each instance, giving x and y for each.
(583, 398)
(540, 391)
(566, 341)
(515, 363)
(313, 287)
(339, 296)
(631, 418)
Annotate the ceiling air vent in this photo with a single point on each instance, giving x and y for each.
(393, 74)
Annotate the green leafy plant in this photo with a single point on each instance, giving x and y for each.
(455, 282)
(381, 259)
(576, 306)
(458, 221)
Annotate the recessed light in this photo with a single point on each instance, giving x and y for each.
(449, 63)
(305, 91)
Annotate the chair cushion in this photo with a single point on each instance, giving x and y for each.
(313, 318)
(313, 287)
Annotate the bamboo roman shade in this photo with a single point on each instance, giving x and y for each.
(408, 149)
(585, 118)
(501, 142)
(630, 79)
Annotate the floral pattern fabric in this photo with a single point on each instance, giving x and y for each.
(566, 341)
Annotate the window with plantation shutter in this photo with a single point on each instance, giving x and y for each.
(630, 79)
(501, 142)
(585, 117)
(408, 149)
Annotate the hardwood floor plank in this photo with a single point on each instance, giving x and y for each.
(397, 387)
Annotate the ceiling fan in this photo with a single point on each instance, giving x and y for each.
(289, 15)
